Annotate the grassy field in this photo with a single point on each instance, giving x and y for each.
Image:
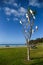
(18, 56)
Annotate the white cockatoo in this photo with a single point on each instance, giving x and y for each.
(20, 22)
(32, 13)
(26, 15)
(36, 27)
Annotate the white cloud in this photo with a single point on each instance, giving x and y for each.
(8, 1)
(17, 13)
(11, 2)
(15, 19)
(15, 4)
(14, 12)
(7, 11)
(35, 3)
(22, 11)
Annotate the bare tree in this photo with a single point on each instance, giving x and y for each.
(28, 29)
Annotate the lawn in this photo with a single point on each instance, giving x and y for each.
(18, 56)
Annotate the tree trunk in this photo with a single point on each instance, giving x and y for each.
(28, 53)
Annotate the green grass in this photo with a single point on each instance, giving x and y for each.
(18, 56)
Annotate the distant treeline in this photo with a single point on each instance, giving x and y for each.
(37, 41)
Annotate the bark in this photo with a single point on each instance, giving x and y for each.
(28, 53)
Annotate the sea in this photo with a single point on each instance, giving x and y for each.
(12, 45)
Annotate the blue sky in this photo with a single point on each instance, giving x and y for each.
(11, 12)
